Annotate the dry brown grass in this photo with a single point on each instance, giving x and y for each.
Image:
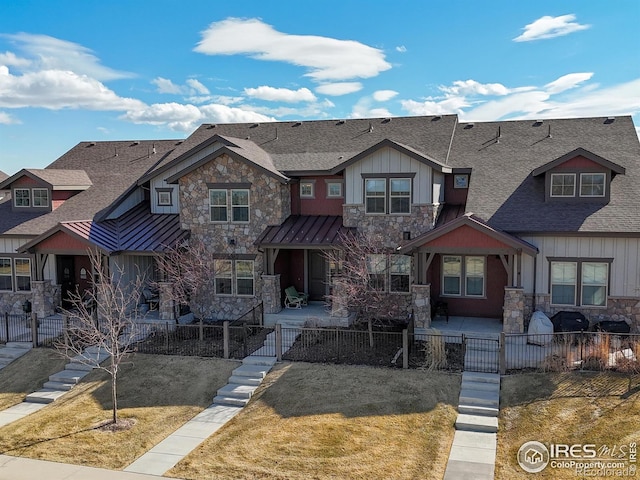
(27, 374)
(160, 392)
(310, 421)
(570, 407)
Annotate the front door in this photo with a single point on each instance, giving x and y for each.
(66, 277)
(317, 275)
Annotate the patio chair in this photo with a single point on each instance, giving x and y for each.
(151, 298)
(295, 299)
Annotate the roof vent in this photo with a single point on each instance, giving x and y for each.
(135, 143)
(340, 122)
(209, 127)
(436, 118)
(610, 120)
(386, 120)
(179, 142)
(92, 144)
(297, 124)
(370, 127)
(537, 123)
(469, 125)
(255, 125)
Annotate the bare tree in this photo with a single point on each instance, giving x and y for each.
(103, 318)
(366, 274)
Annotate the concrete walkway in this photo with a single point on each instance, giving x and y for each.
(473, 453)
(10, 351)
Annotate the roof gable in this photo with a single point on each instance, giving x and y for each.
(579, 152)
(54, 178)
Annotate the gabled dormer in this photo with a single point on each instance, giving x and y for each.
(578, 176)
(44, 190)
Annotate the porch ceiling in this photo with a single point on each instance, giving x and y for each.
(304, 231)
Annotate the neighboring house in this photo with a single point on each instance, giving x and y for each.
(495, 218)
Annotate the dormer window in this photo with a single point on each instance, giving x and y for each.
(592, 184)
(563, 184)
(40, 197)
(21, 197)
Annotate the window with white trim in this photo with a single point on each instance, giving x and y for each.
(23, 274)
(234, 277)
(390, 273)
(563, 184)
(471, 268)
(400, 195)
(376, 268)
(6, 274)
(375, 195)
(164, 198)
(22, 197)
(40, 197)
(218, 205)
(387, 195)
(240, 205)
(334, 189)
(579, 283)
(400, 273)
(307, 190)
(592, 184)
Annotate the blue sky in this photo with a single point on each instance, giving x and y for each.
(74, 71)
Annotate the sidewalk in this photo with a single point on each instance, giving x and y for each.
(18, 468)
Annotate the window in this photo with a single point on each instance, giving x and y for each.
(563, 184)
(461, 181)
(223, 277)
(376, 267)
(244, 277)
(307, 190)
(5, 274)
(400, 195)
(23, 274)
(389, 272)
(592, 184)
(40, 197)
(21, 197)
(234, 277)
(334, 189)
(375, 195)
(218, 205)
(470, 268)
(240, 205)
(164, 198)
(400, 273)
(579, 283)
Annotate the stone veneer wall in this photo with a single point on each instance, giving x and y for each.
(421, 299)
(269, 204)
(513, 310)
(391, 227)
(618, 309)
(271, 293)
(44, 297)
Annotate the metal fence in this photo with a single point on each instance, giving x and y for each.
(20, 328)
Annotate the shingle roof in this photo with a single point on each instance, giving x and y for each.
(503, 192)
(57, 179)
(112, 167)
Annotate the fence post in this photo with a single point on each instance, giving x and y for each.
(166, 337)
(34, 329)
(405, 348)
(65, 331)
(225, 338)
(6, 325)
(338, 345)
(278, 342)
(201, 330)
(503, 353)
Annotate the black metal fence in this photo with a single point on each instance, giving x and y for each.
(20, 328)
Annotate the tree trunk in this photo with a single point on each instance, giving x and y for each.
(371, 333)
(114, 395)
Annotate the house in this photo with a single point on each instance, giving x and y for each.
(496, 219)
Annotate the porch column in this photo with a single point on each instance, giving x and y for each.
(339, 302)
(42, 298)
(513, 310)
(421, 302)
(165, 301)
(271, 293)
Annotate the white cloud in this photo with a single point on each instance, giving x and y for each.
(471, 87)
(325, 58)
(567, 82)
(197, 86)
(550, 27)
(340, 88)
(363, 109)
(49, 53)
(272, 94)
(435, 107)
(165, 85)
(401, 49)
(55, 89)
(384, 95)
(192, 87)
(10, 59)
(6, 119)
(224, 114)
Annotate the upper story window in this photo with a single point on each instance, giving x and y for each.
(388, 195)
(234, 199)
(334, 189)
(307, 189)
(164, 197)
(40, 197)
(563, 184)
(22, 197)
(592, 184)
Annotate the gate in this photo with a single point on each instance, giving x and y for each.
(481, 353)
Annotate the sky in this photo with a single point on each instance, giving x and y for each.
(87, 70)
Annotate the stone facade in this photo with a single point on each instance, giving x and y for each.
(165, 302)
(44, 298)
(269, 204)
(513, 310)
(391, 227)
(421, 300)
(271, 293)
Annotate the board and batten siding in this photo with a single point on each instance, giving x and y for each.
(134, 197)
(389, 160)
(159, 181)
(10, 245)
(625, 268)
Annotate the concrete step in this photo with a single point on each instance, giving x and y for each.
(245, 380)
(482, 367)
(78, 366)
(481, 377)
(44, 396)
(251, 371)
(478, 410)
(23, 345)
(68, 376)
(480, 398)
(476, 423)
(236, 391)
(231, 401)
(259, 360)
(12, 352)
(58, 386)
(266, 351)
(487, 387)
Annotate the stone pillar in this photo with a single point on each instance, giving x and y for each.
(39, 300)
(271, 293)
(338, 301)
(165, 301)
(513, 310)
(421, 302)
